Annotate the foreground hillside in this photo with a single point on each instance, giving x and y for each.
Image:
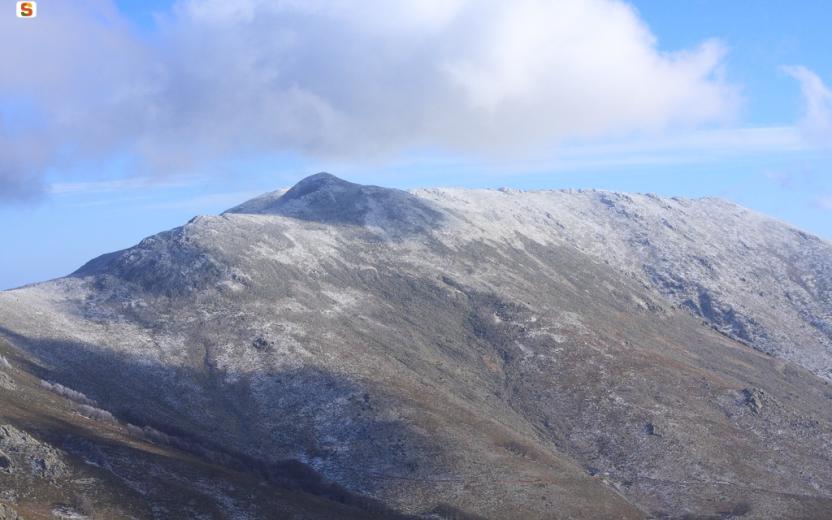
(63, 457)
(437, 353)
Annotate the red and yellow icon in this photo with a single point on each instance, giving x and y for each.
(27, 9)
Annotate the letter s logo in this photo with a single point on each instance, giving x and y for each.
(27, 9)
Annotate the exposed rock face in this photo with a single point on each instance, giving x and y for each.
(754, 399)
(5, 379)
(7, 513)
(5, 462)
(448, 352)
(21, 453)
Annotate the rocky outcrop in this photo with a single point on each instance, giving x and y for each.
(27, 456)
(7, 513)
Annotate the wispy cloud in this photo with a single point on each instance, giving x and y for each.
(817, 99)
(211, 202)
(351, 80)
(797, 177)
(686, 147)
(129, 184)
(692, 147)
(723, 141)
(825, 202)
(204, 204)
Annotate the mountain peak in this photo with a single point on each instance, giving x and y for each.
(318, 182)
(323, 197)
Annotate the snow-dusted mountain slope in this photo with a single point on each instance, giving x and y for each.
(754, 278)
(468, 353)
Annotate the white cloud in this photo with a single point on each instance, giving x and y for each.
(825, 202)
(336, 78)
(817, 98)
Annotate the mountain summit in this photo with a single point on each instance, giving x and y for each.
(325, 198)
(349, 351)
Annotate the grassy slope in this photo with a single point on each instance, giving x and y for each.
(112, 472)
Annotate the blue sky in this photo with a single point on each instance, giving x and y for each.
(97, 157)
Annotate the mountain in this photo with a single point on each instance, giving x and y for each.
(339, 349)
